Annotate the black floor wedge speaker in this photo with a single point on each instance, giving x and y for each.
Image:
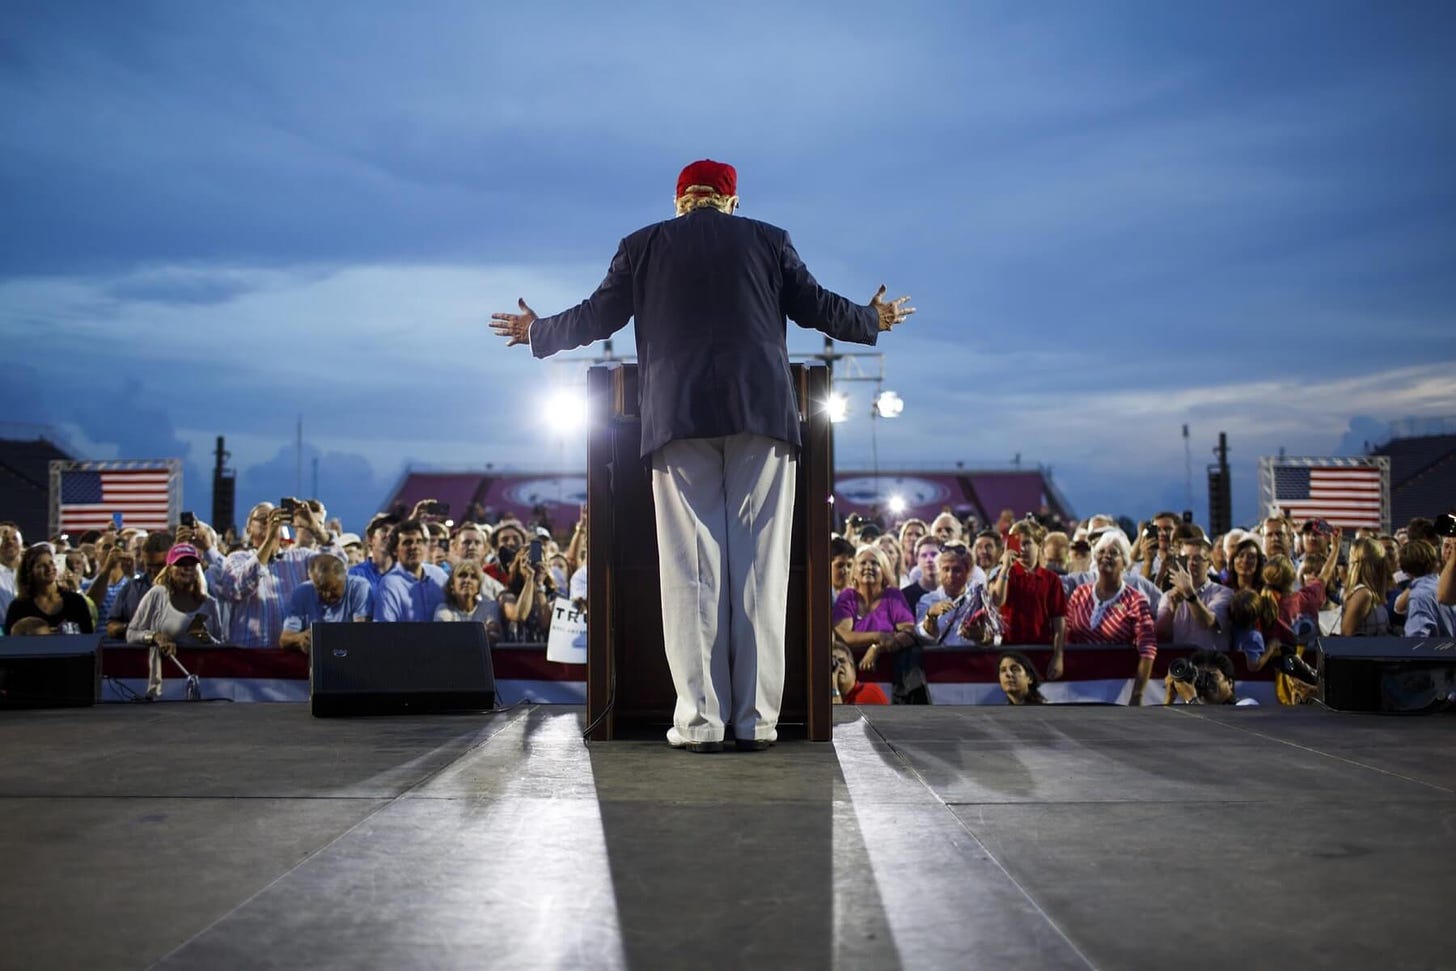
(1390, 674)
(400, 669)
(59, 671)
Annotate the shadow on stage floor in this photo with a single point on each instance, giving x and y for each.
(230, 836)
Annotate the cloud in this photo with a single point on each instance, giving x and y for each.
(348, 484)
(1118, 449)
(187, 285)
(1114, 219)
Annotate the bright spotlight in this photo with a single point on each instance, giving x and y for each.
(566, 411)
(897, 505)
(889, 405)
(838, 406)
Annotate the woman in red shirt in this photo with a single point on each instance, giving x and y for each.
(1108, 611)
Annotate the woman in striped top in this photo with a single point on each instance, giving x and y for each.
(1108, 611)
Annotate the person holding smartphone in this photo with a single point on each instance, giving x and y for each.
(257, 584)
(1195, 609)
(176, 611)
(1031, 599)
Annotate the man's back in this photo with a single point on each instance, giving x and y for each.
(709, 292)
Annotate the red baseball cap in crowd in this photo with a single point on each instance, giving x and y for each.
(720, 176)
(183, 551)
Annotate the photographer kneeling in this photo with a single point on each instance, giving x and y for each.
(1203, 678)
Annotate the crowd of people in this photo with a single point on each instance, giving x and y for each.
(1263, 593)
(289, 567)
(897, 592)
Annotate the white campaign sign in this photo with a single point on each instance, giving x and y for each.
(568, 634)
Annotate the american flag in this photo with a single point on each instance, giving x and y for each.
(1347, 496)
(90, 497)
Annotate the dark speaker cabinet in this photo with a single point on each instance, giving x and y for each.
(59, 671)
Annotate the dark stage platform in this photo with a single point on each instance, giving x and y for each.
(222, 836)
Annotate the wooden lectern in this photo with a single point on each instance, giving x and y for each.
(628, 683)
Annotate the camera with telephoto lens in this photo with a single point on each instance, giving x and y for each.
(1186, 671)
(1446, 524)
(1305, 631)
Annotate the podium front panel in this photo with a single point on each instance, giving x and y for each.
(628, 682)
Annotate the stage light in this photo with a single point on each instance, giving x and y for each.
(889, 405)
(566, 411)
(897, 505)
(838, 406)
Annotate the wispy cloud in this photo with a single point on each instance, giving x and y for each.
(1115, 219)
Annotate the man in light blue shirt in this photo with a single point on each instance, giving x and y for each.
(378, 560)
(413, 588)
(329, 595)
(1424, 617)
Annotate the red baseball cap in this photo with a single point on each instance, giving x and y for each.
(182, 551)
(721, 176)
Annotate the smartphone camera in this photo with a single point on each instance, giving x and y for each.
(188, 518)
(533, 552)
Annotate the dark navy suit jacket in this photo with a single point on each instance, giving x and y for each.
(710, 293)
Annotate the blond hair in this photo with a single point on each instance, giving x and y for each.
(168, 574)
(700, 196)
(1279, 573)
(1368, 567)
(888, 573)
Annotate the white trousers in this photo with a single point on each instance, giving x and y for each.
(725, 518)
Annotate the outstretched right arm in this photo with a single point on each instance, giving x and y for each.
(597, 317)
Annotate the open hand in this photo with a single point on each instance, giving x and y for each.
(891, 313)
(517, 326)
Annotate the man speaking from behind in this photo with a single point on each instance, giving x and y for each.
(710, 293)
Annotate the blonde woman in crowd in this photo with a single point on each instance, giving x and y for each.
(466, 600)
(177, 610)
(1366, 583)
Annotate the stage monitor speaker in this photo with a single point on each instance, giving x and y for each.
(1390, 674)
(56, 671)
(400, 669)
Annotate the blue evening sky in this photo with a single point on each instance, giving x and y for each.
(1115, 218)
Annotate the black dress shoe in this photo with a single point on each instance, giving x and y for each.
(753, 744)
(701, 748)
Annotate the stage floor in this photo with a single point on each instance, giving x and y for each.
(218, 836)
